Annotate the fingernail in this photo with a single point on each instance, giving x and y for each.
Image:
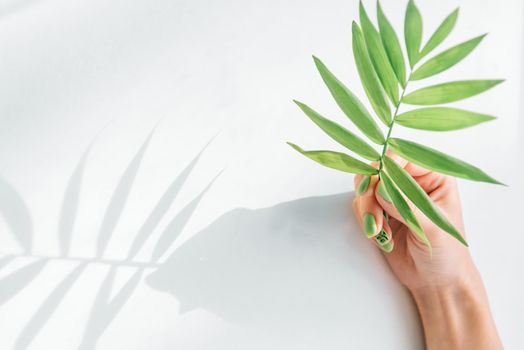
(384, 241)
(370, 225)
(383, 193)
(388, 247)
(364, 184)
(383, 238)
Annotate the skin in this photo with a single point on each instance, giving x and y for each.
(446, 286)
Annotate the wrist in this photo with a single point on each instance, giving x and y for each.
(464, 285)
(453, 315)
(445, 277)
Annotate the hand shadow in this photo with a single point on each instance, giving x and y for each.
(301, 268)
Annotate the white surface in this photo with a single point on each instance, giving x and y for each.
(292, 271)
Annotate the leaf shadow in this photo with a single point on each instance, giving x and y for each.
(119, 198)
(5, 260)
(71, 199)
(163, 205)
(177, 224)
(70, 203)
(16, 281)
(104, 310)
(47, 308)
(16, 214)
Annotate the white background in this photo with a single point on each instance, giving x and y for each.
(292, 271)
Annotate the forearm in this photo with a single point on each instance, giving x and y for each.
(457, 316)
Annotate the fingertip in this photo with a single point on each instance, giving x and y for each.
(372, 224)
(384, 240)
(387, 247)
(367, 186)
(363, 185)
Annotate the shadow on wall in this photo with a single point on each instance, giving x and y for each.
(108, 301)
(296, 266)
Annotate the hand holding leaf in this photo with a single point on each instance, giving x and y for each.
(381, 67)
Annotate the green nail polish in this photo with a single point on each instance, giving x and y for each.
(364, 184)
(388, 247)
(370, 225)
(383, 238)
(383, 193)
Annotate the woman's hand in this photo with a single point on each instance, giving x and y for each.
(410, 259)
(445, 285)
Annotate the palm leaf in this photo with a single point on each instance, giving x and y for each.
(392, 46)
(367, 74)
(446, 59)
(350, 104)
(381, 66)
(403, 208)
(441, 119)
(338, 161)
(437, 161)
(449, 92)
(441, 33)
(340, 134)
(379, 57)
(413, 32)
(420, 198)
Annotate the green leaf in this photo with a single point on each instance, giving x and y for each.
(449, 92)
(340, 134)
(446, 59)
(403, 208)
(392, 46)
(413, 32)
(369, 78)
(379, 57)
(441, 119)
(350, 104)
(432, 159)
(441, 33)
(420, 198)
(338, 161)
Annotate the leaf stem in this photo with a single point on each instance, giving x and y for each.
(385, 148)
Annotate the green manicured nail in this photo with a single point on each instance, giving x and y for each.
(383, 193)
(388, 247)
(364, 184)
(383, 238)
(370, 225)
